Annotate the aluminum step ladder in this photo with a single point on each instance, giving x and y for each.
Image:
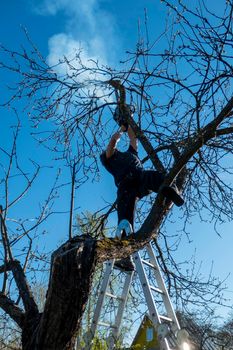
(166, 323)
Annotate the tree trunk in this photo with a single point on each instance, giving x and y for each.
(72, 269)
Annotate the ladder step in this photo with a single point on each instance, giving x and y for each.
(105, 324)
(110, 295)
(145, 262)
(156, 289)
(165, 318)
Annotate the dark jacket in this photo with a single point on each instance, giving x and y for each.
(122, 164)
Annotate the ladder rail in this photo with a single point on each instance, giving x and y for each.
(119, 316)
(124, 297)
(102, 295)
(153, 312)
(175, 326)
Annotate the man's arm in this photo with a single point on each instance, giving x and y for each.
(112, 144)
(133, 139)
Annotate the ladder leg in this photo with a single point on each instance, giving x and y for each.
(122, 302)
(99, 304)
(103, 289)
(153, 312)
(174, 325)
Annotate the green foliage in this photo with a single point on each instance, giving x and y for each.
(90, 224)
(98, 344)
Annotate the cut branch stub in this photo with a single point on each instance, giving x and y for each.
(69, 288)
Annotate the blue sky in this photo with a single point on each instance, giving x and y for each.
(105, 30)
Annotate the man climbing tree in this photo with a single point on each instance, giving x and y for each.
(132, 181)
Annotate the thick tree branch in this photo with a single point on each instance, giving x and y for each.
(159, 210)
(6, 267)
(224, 131)
(208, 132)
(147, 146)
(12, 310)
(24, 289)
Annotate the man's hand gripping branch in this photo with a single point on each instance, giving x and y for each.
(116, 138)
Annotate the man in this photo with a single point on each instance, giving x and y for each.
(132, 181)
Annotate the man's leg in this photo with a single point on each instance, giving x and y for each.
(152, 180)
(126, 200)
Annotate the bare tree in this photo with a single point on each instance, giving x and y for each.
(223, 336)
(205, 332)
(181, 85)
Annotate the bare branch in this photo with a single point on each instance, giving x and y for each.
(12, 310)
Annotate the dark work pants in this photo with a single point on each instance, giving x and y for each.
(134, 187)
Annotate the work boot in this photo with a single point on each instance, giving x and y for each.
(125, 264)
(172, 194)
